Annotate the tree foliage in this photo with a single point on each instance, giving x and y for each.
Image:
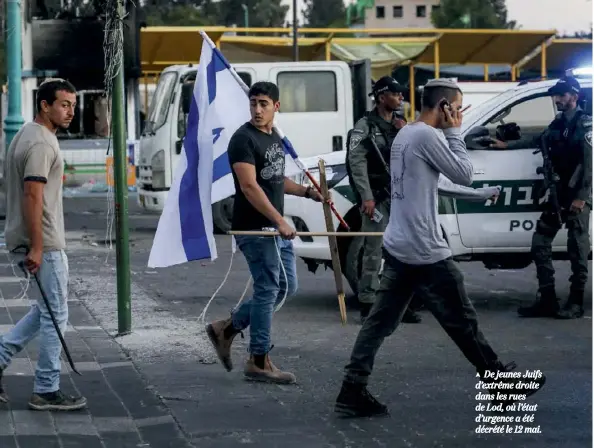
(181, 13)
(261, 13)
(324, 13)
(478, 14)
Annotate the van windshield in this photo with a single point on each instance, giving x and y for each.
(160, 102)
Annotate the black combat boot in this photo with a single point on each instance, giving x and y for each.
(546, 305)
(574, 308)
(354, 400)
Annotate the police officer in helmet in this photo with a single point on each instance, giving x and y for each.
(369, 177)
(570, 141)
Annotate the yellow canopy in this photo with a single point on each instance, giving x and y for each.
(162, 46)
(462, 47)
(561, 55)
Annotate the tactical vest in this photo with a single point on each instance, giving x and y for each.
(378, 173)
(566, 152)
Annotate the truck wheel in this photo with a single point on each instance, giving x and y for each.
(222, 214)
(351, 268)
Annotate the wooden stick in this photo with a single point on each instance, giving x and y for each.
(333, 244)
(267, 233)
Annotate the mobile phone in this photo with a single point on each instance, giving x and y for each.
(443, 104)
(377, 216)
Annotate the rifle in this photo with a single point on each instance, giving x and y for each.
(379, 154)
(551, 178)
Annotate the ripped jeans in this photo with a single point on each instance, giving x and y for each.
(53, 276)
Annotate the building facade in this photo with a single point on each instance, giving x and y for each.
(401, 14)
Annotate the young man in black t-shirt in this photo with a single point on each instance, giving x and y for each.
(257, 159)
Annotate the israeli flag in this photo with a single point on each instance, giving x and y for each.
(203, 175)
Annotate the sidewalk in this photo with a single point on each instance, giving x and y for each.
(122, 411)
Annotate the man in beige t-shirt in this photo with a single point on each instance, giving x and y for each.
(34, 232)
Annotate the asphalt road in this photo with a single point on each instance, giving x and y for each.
(419, 373)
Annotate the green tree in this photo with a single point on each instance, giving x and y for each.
(324, 13)
(261, 13)
(479, 14)
(181, 13)
(501, 13)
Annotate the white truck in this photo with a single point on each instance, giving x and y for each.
(320, 102)
(500, 234)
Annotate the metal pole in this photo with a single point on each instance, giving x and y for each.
(14, 65)
(120, 166)
(295, 44)
(246, 16)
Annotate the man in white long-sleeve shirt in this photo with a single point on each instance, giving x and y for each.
(417, 257)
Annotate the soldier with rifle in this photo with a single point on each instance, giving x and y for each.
(368, 147)
(566, 146)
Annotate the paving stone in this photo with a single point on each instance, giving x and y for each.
(6, 425)
(78, 441)
(164, 436)
(74, 424)
(33, 423)
(38, 441)
(123, 440)
(8, 442)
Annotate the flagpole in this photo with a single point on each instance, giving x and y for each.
(299, 163)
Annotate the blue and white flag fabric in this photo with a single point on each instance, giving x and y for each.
(202, 177)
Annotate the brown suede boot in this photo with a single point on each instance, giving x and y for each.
(268, 374)
(221, 334)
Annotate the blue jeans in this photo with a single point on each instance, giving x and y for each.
(262, 256)
(53, 276)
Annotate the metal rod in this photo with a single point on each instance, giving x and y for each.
(14, 66)
(268, 233)
(120, 161)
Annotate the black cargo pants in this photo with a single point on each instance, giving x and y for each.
(441, 286)
(578, 248)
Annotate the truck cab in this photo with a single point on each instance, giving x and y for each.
(498, 235)
(319, 102)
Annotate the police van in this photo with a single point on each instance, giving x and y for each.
(497, 234)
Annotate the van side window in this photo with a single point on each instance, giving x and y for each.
(532, 116)
(246, 77)
(307, 91)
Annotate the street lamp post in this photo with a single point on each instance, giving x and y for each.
(246, 16)
(295, 44)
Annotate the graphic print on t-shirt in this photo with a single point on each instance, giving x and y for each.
(274, 167)
(398, 167)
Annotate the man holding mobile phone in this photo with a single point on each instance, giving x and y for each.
(418, 259)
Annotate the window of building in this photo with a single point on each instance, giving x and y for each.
(421, 11)
(397, 11)
(380, 12)
(435, 8)
(307, 92)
